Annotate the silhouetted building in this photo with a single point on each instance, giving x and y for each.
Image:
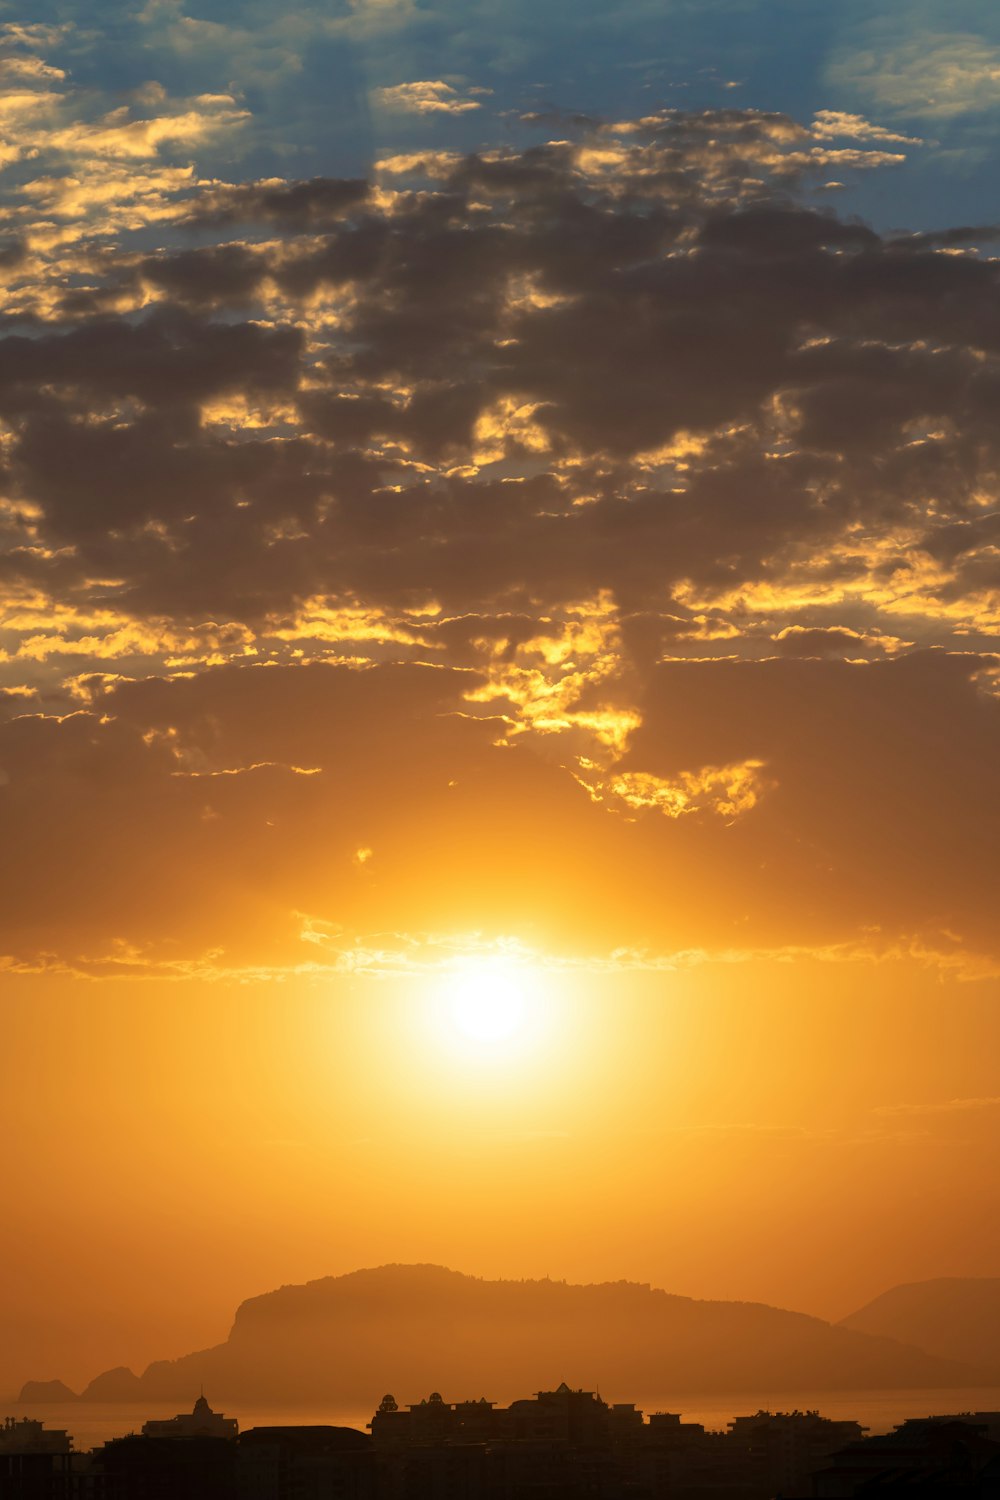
(567, 1444)
(435, 1420)
(36, 1462)
(986, 1422)
(926, 1459)
(163, 1468)
(306, 1463)
(562, 1444)
(783, 1448)
(434, 1471)
(25, 1435)
(202, 1422)
(562, 1416)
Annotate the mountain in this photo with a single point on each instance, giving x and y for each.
(34, 1391)
(413, 1329)
(118, 1384)
(954, 1317)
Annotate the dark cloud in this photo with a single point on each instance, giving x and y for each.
(187, 812)
(170, 357)
(215, 810)
(800, 640)
(962, 236)
(884, 799)
(550, 420)
(780, 231)
(302, 206)
(218, 276)
(13, 253)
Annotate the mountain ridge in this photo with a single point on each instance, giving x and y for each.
(421, 1327)
(952, 1317)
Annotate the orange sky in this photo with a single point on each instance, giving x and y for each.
(577, 555)
(804, 1133)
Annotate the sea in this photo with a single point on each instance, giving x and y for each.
(92, 1423)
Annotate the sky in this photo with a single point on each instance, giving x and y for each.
(499, 710)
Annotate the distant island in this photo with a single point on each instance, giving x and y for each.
(339, 1338)
(35, 1391)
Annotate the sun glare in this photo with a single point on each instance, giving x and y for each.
(487, 1006)
(491, 1006)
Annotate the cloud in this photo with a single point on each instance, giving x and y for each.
(299, 206)
(946, 1107)
(728, 791)
(834, 640)
(830, 124)
(39, 35)
(606, 529)
(257, 46)
(222, 803)
(372, 16)
(425, 98)
(28, 69)
(928, 75)
(77, 166)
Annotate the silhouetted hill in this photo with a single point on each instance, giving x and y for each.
(45, 1390)
(955, 1317)
(413, 1329)
(118, 1384)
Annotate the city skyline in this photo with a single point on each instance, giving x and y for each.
(563, 1441)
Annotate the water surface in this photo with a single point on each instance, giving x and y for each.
(92, 1423)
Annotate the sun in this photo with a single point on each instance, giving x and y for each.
(487, 1005)
(491, 1009)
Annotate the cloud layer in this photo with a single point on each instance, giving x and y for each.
(599, 532)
